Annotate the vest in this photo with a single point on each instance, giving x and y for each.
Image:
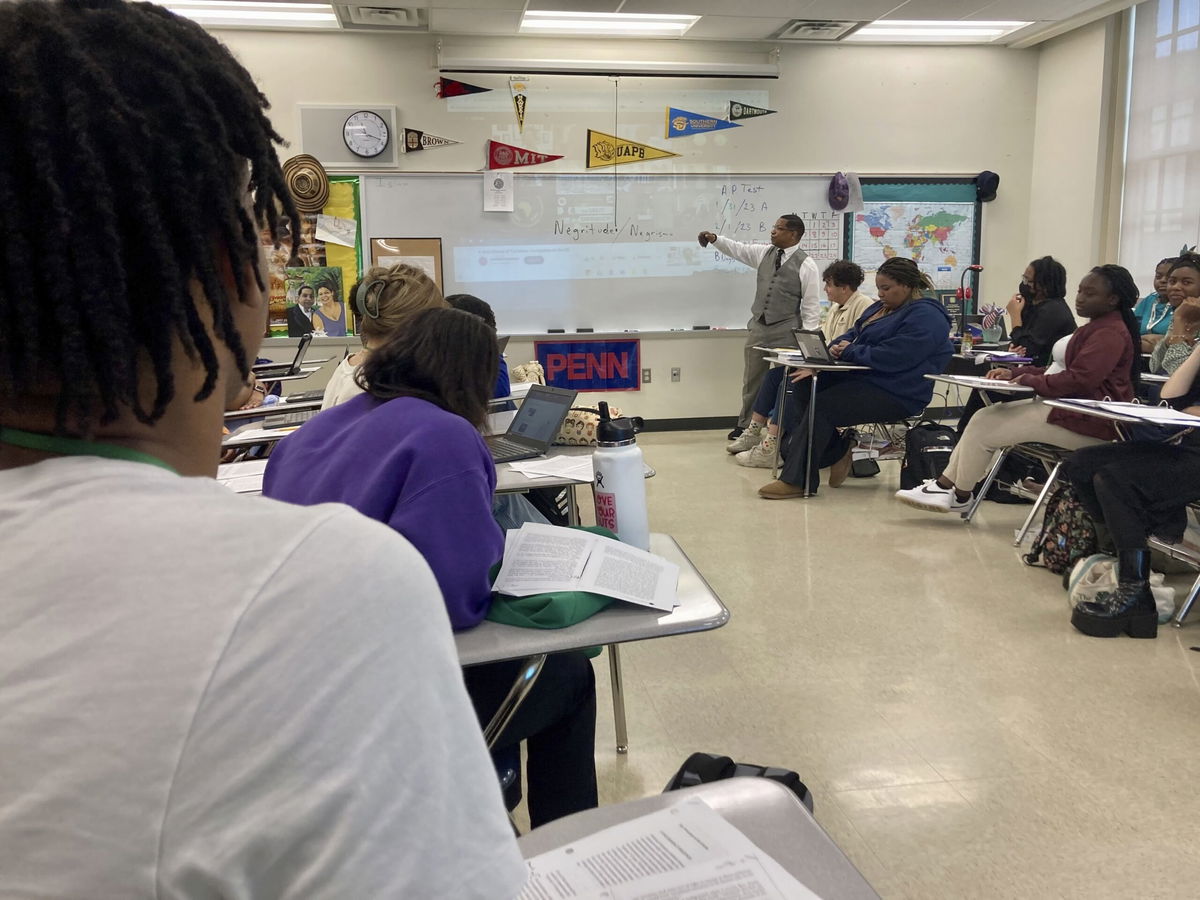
(779, 293)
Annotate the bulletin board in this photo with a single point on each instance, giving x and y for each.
(424, 253)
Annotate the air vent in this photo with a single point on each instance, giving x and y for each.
(383, 18)
(816, 30)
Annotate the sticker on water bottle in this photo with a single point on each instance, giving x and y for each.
(606, 510)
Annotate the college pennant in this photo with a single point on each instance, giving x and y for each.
(681, 123)
(448, 87)
(610, 150)
(519, 87)
(419, 140)
(739, 110)
(506, 156)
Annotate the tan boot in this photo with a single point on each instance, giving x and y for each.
(840, 470)
(780, 490)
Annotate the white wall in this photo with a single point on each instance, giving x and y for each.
(1071, 151)
(874, 110)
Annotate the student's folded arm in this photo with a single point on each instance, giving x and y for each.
(1090, 365)
(450, 522)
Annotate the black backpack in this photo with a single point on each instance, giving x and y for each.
(927, 449)
(705, 768)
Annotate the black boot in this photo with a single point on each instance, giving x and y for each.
(1129, 609)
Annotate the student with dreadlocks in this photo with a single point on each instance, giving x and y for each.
(1101, 362)
(195, 702)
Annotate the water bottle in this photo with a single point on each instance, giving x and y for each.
(620, 485)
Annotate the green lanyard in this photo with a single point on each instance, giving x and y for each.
(64, 446)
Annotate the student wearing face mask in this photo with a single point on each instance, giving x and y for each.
(1038, 317)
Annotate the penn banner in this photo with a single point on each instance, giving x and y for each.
(448, 87)
(610, 150)
(520, 94)
(681, 123)
(739, 110)
(506, 156)
(420, 140)
(591, 365)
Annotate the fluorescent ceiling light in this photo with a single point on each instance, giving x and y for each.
(958, 31)
(605, 24)
(239, 14)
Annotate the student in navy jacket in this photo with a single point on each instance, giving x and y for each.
(901, 339)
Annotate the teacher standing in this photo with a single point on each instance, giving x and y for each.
(785, 298)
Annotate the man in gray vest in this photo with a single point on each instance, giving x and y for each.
(786, 298)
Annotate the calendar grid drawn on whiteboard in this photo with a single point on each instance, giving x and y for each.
(611, 252)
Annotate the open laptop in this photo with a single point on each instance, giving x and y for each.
(274, 370)
(534, 427)
(813, 347)
(503, 342)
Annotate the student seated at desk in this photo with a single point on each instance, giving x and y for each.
(900, 338)
(1138, 489)
(476, 307)
(1183, 292)
(384, 299)
(755, 446)
(1101, 362)
(1039, 317)
(1155, 311)
(408, 453)
(199, 697)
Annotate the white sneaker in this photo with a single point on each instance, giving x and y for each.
(761, 456)
(747, 440)
(929, 496)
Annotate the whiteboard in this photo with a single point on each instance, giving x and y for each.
(605, 251)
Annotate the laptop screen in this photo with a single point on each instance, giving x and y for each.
(812, 345)
(542, 414)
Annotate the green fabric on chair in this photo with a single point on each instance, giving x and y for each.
(555, 609)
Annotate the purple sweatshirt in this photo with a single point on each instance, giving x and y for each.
(405, 462)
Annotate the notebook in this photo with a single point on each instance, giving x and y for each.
(534, 427)
(270, 370)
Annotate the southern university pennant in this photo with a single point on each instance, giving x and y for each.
(738, 110)
(448, 87)
(506, 156)
(418, 140)
(681, 123)
(610, 150)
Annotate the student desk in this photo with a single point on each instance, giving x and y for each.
(763, 810)
(699, 609)
(1154, 379)
(305, 371)
(274, 409)
(781, 400)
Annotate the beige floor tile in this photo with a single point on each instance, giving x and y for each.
(960, 739)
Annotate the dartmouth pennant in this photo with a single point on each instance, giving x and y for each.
(419, 140)
(681, 123)
(448, 87)
(506, 156)
(739, 110)
(610, 150)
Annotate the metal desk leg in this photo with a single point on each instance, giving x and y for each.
(572, 506)
(1001, 455)
(521, 687)
(618, 696)
(1187, 604)
(1037, 504)
(812, 406)
(780, 401)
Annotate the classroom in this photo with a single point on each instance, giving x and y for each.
(956, 736)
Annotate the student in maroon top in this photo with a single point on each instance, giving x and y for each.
(1101, 362)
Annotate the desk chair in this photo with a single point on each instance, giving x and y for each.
(1186, 555)
(1050, 456)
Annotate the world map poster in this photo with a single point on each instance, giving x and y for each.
(939, 237)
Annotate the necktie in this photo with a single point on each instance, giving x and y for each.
(778, 258)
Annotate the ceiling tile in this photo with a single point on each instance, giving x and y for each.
(453, 5)
(785, 9)
(938, 9)
(583, 6)
(746, 28)
(474, 21)
(1034, 10)
(856, 10)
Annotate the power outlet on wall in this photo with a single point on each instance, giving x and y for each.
(675, 374)
(645, 376)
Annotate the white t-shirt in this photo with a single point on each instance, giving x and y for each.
(342, 385)
(208, 695)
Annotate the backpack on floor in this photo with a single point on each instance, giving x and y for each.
(1013, 470)
(703, 768)
(1067, 534)
(927, 449)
